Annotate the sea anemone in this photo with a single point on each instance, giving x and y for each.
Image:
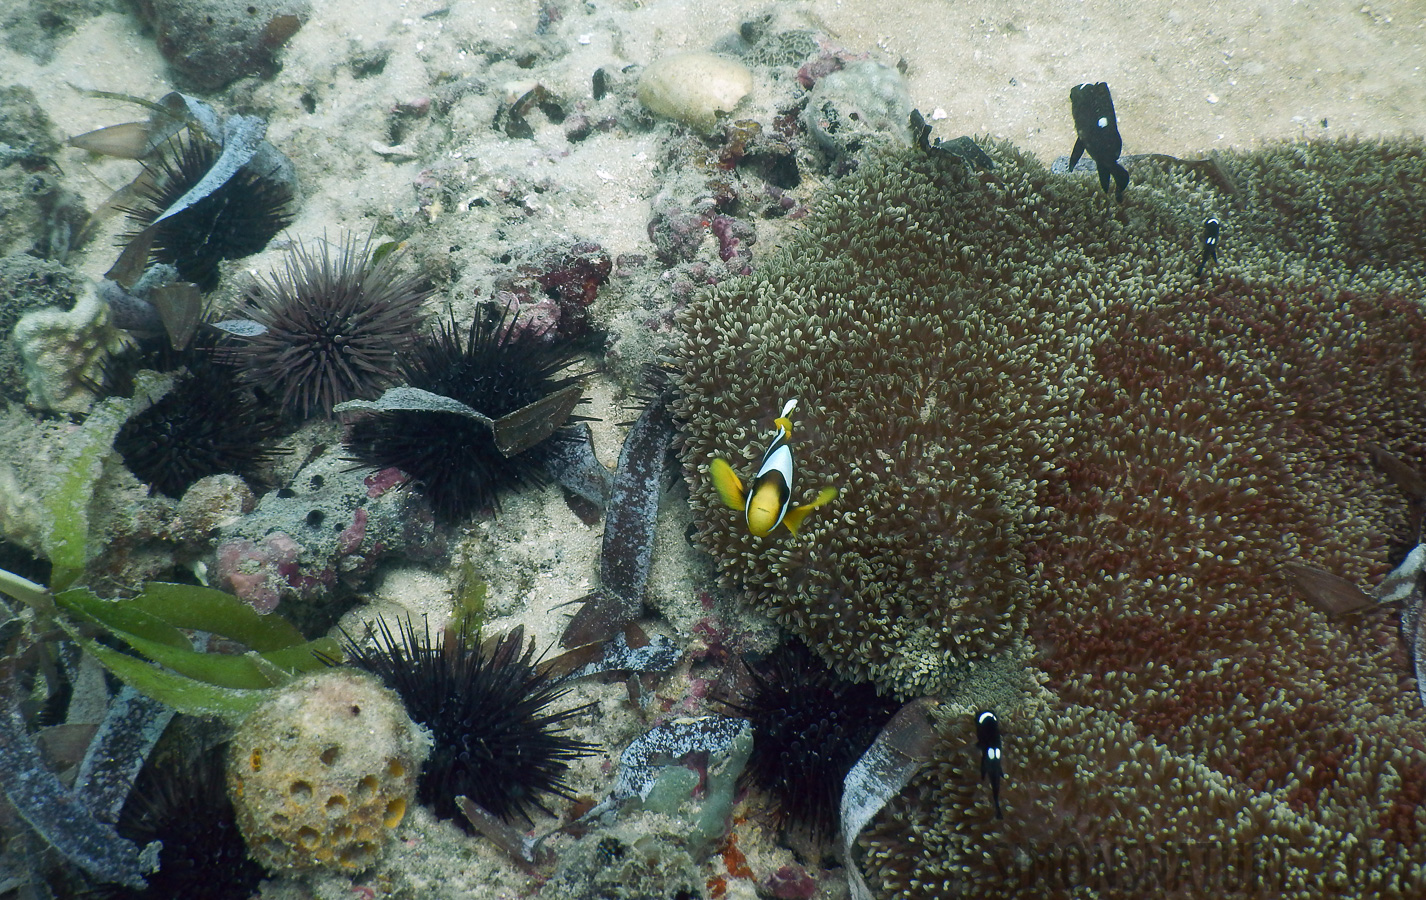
(809, 729)
(1066, 456)
(335, 329)
(208, 423)
(487, 708)
(495, 369)
(237, 219)
(186, 807)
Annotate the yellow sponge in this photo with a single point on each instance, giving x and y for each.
(322, 773)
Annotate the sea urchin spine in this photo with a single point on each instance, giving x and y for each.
(207, 424)
(487, 708)
(236, 219)
(186, 807)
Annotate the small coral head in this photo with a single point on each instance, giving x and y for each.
(336, 325)
(494, 368)
(488, 708)
(237, 219)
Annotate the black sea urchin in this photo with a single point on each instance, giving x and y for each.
(207, 424)
(495, 741)
(809, 729)
(495, 369)
(187, 808)
(335, 328)
(237, 219)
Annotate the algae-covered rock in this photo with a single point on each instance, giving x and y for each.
(864, 103)
(28, 284)
(38, 215)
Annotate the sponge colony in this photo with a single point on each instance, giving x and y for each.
(322, 773)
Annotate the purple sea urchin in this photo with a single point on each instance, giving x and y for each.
(336, 328)
(809, 729)
(235, 220)
(487, 708)
(207, 424)
(495, 369)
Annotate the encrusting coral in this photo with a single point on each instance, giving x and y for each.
(1055, 442)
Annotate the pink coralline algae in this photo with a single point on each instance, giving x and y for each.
(383, 480)
(734, 237)
(252, 570)
(551, 294)
(349, 541)
(791, 883)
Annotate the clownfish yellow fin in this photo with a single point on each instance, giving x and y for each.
(730, 489)
(794, 517)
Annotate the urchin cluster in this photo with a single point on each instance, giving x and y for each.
(186, 807)
(495, 738)
(208, 423)
(495, 368)
(809, 728)
(335, 326)
(237, 219)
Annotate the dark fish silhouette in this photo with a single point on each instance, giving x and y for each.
(1210, 244)
(1097, 131)
(987, 737)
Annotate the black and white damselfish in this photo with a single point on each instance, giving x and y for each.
(1211, 227)
(1097, 130)
(987, 737)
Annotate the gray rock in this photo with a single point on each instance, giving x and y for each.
(212, 43)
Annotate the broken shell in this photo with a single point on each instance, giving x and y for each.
(694, 87)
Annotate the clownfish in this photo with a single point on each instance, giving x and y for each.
(768, 502)
(987, 737)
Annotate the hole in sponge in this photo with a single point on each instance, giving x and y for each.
(366, 788)
(301, 791)
(337, 805)
(394, 812)
(358, 855)
(330, 755)
(394, 768)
